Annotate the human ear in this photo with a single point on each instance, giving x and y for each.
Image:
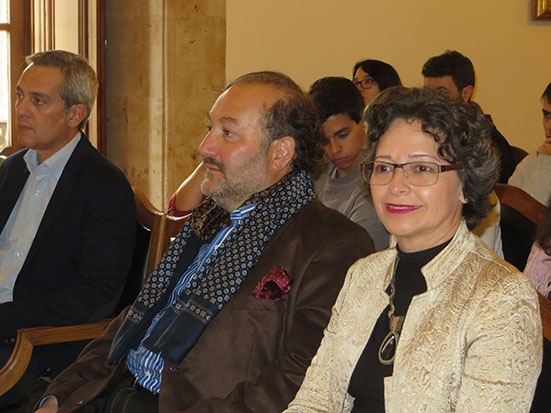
(462, 198)
(467, 93)
(75, 114)
(282, 152)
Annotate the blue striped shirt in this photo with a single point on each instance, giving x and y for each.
(147, 366)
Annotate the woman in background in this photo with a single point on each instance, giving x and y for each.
(371, 77)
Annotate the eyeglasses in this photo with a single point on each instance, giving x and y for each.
(366, 83)
(416, 173)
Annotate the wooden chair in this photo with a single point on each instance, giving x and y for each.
(149, 233)
(153, 235)
(518, 154)
(545, 309)
(520, 216)
(27, 338)
(2, 157)
(172, 228)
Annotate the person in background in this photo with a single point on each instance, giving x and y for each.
(538, 266)
(338, 186)
(188, 195)
(67, 214)
(489, 228)
(371, 77)
(439, 323)
(453, 74)
(538, 269)
(533, 172)
(232, 315)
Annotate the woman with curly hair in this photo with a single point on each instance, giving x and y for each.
(439, 323)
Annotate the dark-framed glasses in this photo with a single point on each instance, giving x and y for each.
(416, 173)
(365, 83)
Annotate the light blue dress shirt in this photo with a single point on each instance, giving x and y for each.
(18, 234)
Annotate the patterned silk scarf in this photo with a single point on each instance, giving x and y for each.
(219, 278)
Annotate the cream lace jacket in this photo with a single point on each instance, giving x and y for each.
(471, 343)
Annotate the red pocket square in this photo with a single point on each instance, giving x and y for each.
(275, 285)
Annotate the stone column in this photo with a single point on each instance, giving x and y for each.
(165, 67)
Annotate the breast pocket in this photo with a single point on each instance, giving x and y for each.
(251, 303)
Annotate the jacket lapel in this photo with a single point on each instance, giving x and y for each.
(11, 185)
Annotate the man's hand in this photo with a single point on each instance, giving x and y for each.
(49, 406)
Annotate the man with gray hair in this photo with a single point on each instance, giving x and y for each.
(67, 214)
(232, 315)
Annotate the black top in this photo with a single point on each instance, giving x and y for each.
(366, 384)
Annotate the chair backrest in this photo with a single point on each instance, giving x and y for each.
(2, 157)
(154, 231)
(520, 216)
(152, 220)
(149, 229)
(518, 154)
(521, 201)
(172, 228)
(545, 309)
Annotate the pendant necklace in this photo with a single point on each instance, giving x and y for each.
(387, 350)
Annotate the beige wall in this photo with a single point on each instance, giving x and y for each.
(66, 25)
(308, 39)
(165, 67)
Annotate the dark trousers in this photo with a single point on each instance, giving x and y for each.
(123, 397)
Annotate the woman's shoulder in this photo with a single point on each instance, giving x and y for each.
(493, 273)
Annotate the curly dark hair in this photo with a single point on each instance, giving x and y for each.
(293, 114)
(460, 129)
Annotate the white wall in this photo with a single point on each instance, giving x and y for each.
(308, 39)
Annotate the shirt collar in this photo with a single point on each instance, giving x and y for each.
(352, 176)
(241, 213)
(55, 163)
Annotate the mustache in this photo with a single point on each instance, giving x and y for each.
(22, 120)
(211, 161)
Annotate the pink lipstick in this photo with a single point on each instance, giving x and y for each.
(400, 208)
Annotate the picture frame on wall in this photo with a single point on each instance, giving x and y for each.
(541, 9)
